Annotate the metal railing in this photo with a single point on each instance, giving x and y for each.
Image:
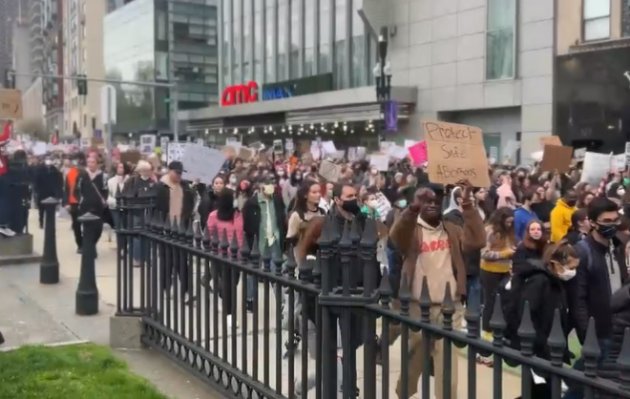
(192, 287)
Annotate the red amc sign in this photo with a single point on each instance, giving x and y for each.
(240, 94)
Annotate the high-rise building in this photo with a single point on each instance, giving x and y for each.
(53, 63)
(83, 55)
(9, 10)
(36, 18)
(178, 43)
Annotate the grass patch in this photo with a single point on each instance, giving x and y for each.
(70, 372)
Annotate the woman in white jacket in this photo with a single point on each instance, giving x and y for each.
(114, 185)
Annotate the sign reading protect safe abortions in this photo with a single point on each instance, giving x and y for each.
(456, 152)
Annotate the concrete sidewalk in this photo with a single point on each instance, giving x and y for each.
(35, 313)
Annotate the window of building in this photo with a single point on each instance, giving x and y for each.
(247, 44)
(596, 19)
(236, 42)
(258, 37)
(500, 39)
(283, 37)
(341, 42)
(309, 38)
(270, 27)
(296, 26)
(359, 73)
(161, 65)
(324, 36)
(161, 24)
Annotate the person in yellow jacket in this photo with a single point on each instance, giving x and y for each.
(560, 217)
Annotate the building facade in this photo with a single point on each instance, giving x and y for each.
(178, 44)
(294, 68)
(593, 74)
(83, 54)
(9, 12)
(53, 64)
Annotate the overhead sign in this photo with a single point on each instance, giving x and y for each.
(297, 87)
(240, 94)
(10, 104)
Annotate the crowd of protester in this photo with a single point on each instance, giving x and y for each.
(541, 237)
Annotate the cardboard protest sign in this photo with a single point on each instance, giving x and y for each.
(556, 158)
(330, 171)
(246, 154)
(380, 162)
(550, 140)
(418, 153)
(202, 163)
(10, 104)
(596, 166)
(456, 152)
(130, 157)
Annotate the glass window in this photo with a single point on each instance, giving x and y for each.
(296, 26)
(161, 25)
(359, 74)
(324, 36)
(247, 44)
(500, 54)
(309, 34)
(226, 44)
(283, 36)
(596, 19)
(161, 65)
(236, 42)
(270, 26)
(258, 36)
(340, 43)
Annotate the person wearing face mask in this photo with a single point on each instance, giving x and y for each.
(290, 190)
(602, 271)
(232, 182)
(209, 195)
(560, 217)
(369, 207)
(264, 216)
(544, 288)
(48, 182)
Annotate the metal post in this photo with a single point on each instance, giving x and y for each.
(87, 291)
(108, 128)
(49, 268)
(175, 108)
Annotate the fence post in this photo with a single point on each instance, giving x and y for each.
(87, 292)
(49, 268)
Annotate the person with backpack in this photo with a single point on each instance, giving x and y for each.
(602, 271)
(543, 288)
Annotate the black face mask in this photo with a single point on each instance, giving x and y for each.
(571, 203)
(607, 231)
(351, 206)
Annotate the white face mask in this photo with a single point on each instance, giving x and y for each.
(567, 274)
(48, 162)
(372, 204)
(621, 192)
(233, 180)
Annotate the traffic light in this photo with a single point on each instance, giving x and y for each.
(82, 85)
(9, 79)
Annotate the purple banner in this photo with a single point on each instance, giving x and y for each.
(391, 116)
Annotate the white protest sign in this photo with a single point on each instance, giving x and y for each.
(202, 163)
(579, 153)
(315, 151)
(596, 166)
(618, 162)
(175, 151)
(328, 147)
(40, 148)
(380, 162)
(289, 146)
(410, 143)
(85, 142)
(147, 143)
(628, 153)
(397, 152)
(233, 142)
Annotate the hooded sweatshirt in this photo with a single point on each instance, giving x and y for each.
(560, 220)
(434, 262)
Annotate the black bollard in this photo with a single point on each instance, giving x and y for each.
(87, 292)
(49, 268)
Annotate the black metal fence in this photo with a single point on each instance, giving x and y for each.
(328, 328)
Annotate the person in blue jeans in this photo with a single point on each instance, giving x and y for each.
(264, 216)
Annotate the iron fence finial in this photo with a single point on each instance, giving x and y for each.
(425, 301)
(255, 253)
(556, 340)
(404, 295)
(526, 331)
(385, 290)
(591, 350)
(497, 322)
(448, 308)
(234, 246)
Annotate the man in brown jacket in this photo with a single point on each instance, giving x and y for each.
(433, 248)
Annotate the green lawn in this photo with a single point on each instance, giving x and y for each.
(69, 372)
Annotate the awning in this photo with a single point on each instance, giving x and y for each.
(358, 104)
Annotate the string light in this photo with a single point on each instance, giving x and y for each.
(206, 132)
(312, 126)
(221, 131)
(235, 131)
(336, 125)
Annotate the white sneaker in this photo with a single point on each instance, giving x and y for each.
(5, 231)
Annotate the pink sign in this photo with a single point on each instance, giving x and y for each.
(418, 153)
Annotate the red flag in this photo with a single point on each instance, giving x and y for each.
(6, 132)
(54, 140)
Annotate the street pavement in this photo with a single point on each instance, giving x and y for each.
(34, 314)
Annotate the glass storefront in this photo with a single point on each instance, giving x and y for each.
(129, 54)
(295, 39)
